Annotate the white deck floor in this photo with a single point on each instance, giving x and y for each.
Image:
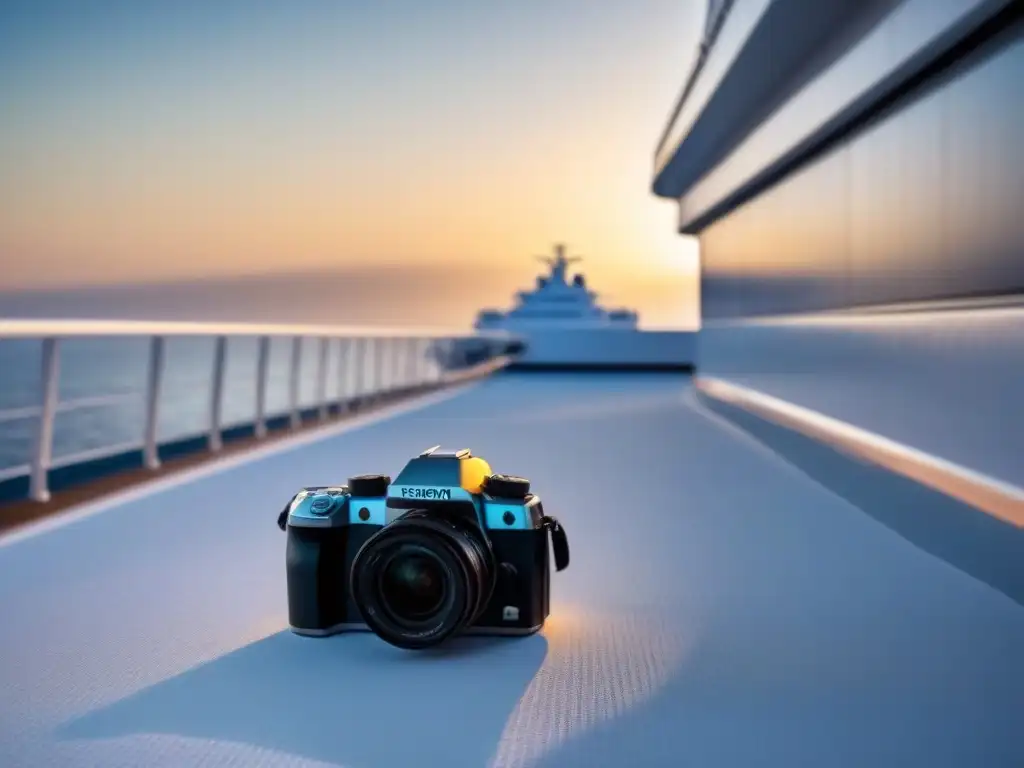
(720, 610)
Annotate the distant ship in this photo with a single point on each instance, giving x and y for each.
(556, 302)
(560, 325)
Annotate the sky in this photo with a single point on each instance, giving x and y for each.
(418, 154)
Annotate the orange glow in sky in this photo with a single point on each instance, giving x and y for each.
(153, 144)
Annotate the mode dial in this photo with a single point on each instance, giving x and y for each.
(507, 486)
(365, 486)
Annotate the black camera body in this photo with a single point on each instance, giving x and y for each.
(448, 548)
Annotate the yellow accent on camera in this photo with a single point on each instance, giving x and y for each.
(472, 473)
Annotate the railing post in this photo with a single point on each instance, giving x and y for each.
(293, 386)
(426, 363)
(387, 373)
(368, 376)
(340, 344)
(390, 376)
(321, 381)
(150, 450)
(262, 368)
(424, 367)
(393, 380)
(380, 365)
(39, 489)
(217, 393)
(398, 370)
(344, 364)
(351, 375)
(443, 350)
(412, 363)
(359, 368)
(394, 366)
(386, 344)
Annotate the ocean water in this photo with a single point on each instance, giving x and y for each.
(110, 375)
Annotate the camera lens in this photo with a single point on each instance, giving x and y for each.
(412, 586)
(423, 578)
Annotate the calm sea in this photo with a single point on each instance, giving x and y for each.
(111, 373)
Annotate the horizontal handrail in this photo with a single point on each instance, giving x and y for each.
(372, 362)
(713, 26)
(65, 406)
(35, 329)
(18, 470)
(100, 452)
(999, 499)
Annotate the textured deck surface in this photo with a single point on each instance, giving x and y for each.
(720, 610)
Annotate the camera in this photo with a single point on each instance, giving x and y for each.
(447, 548)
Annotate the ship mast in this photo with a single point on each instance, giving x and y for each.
(559, 263)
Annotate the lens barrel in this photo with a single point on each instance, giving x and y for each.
(423, 578)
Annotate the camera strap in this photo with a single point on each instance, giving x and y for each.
(559, 542)
(282, 519)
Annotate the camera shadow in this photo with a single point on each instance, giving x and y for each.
(350, 699)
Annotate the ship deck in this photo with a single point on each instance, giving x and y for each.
(721, 609)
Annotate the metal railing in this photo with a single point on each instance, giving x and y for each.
(676, 127)
(373, 364)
